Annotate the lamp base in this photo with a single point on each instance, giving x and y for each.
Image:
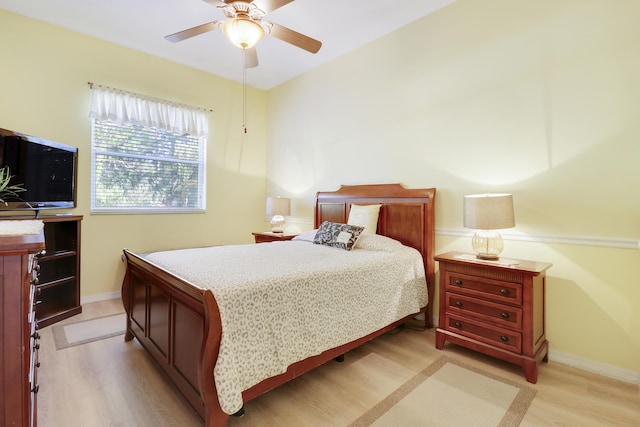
(487, 244)
(277, 224)
(486, 257)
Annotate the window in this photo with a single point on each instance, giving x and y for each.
(138, 166)
(146, 169)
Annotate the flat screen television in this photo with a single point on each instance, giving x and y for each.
(45, 169)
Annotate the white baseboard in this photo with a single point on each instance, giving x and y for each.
(100, 297)
(625, 375)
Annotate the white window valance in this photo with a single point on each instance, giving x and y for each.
(122, 107)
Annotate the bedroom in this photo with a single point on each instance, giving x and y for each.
(539, 100)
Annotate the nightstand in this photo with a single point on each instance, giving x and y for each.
(267, 236)
(494, 307)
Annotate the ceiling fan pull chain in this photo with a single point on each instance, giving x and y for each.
(244, 92)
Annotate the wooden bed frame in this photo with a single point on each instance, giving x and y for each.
(179, 324)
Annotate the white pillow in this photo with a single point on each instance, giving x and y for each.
(365, 216)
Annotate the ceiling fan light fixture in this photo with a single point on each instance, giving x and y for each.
(243, 32)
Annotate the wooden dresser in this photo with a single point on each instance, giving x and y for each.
(59, 287)
(494, 308)
(18, 330)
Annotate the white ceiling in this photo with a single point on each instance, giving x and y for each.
(341, 25)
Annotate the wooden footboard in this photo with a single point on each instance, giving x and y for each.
(179, 325)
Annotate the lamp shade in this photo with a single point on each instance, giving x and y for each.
(243, 32)
(489, 211)
(278, 206)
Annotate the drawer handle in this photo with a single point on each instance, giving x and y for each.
(504, 291)
(458, 303)
(458, 282)
(504, 315)
(504, 338)
(458, 325)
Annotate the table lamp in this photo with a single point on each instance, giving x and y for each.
(277, 208)
(486, 213)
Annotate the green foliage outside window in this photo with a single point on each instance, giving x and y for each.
(146, 168)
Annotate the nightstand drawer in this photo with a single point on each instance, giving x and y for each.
(499, 314)
(494, 290)
(497, 337)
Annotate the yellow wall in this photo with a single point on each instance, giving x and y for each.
(537, 98)
(43, 91)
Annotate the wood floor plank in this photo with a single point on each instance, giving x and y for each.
(113, 383)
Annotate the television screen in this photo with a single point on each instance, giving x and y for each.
(45, 169)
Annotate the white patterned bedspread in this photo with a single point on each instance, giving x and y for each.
(282, 302)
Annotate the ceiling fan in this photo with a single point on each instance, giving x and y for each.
(244, 27)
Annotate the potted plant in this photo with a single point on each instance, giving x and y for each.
(6, 190)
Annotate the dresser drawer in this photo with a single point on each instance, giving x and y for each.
(494, 313)
(484, 332)
(494, 290)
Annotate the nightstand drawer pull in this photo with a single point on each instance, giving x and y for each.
(504, 291)
(458, 282)
(504, 338)
(458, 325)
(458, 303)
(504, 315)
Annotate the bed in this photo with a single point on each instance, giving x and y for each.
(189, 332)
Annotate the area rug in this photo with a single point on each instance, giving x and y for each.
(85, 331)
(451, 394)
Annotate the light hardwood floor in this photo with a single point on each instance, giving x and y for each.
(113, 383)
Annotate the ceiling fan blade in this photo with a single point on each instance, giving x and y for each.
(293, 37)
(216, 3)
(270, 5)
(191, 32)
(250, 58)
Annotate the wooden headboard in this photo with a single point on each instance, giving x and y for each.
(406, 215)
